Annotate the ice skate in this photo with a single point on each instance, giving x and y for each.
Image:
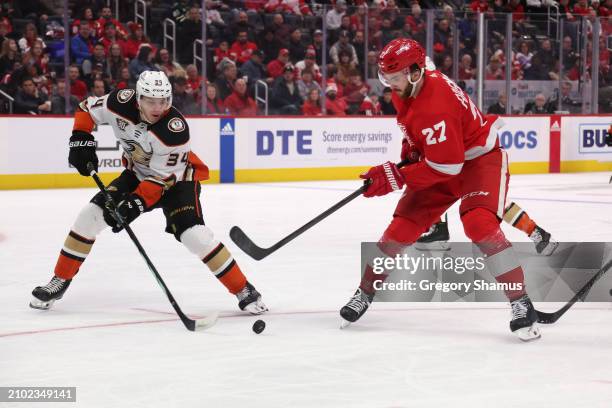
(355, 308)
(524, 318)
(436, 239)
(45, 296)
(249, 300)
(544, 243)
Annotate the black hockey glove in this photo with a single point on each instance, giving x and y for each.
(609, 138)
(129, 209)
(82, 151)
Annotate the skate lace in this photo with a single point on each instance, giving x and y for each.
(357, 303)
(519, 309)
(55, 285)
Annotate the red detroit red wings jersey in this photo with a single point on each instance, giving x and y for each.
(445, 127)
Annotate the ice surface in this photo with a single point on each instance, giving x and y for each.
(114, 336)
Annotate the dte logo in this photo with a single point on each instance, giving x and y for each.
(266, 141)
(519, 139)
(594, 137)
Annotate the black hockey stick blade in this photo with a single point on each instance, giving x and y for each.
(549, 318)
(247, 245)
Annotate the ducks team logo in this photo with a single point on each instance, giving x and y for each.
(176, 125)
(138, 154)
(125, 95)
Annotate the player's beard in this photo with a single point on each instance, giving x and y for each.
(407, 91)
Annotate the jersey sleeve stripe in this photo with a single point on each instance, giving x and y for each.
(83, 121)
(451, 169)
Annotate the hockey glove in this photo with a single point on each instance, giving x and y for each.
(609, 137)
(384, 179)
(129, 209)
(82, 151)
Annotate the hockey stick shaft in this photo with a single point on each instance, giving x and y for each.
(247, 245)
(549, 318)
(189, 323)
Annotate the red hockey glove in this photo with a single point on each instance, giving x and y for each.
(384, 179)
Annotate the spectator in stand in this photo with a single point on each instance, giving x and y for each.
(297, 7)
(110, 37)
(242, 47)
(370, 105)
(386, 103)
(143, 62)
(124, 80)
(358, 19)
(581, 8)
(58, 99)
(115, 62)
(183, 100)
(165, 63)
(388, 33)
(547, 56)
(297, 49)
(286, 99)
(416, 20)
(242, 24)
(106, 16)
(224, 82)
(355, 91)
(309, 63)
(447, 65)
(30, 99)
(269, 45)
(77, 87)
(372, 65)
(35, 56)
(343, 45)
(569, 55)
(8, 56)
(498, 108)
(82, 44)
(280, 29)
(333, 18)
(134, 41)
(344, 68)
(5, 29)
(524, 56)
(88, 18)
(465, 68)
(189, 31)
(276, 67)
(29, 38)
(345, 24)
(359, 46)
(98, 89)
(239, 103)
(214, 104)
(306, 84)
(98, 57)
(253, 69)
(222, 52)
(494, 70)
(539, 106)
(334, 106)
(312, 105)
(317, 44)
(565, 10)
(567, 103)
(194, 80)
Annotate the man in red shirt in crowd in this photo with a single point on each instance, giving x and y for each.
(77, 87)
(239, 103)
(242, 47)
(334, 106)
(276, 67)
(454, 155)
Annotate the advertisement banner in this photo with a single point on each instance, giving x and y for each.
(583, 147)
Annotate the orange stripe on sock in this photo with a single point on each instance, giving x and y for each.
(525, 224)
(67, 267)
(234, 280)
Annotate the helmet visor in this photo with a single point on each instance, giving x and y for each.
(391, 79)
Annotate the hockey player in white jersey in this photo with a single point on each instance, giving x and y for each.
(161, 172)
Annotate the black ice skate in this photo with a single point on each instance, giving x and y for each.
(436, 239)
(524, 318)
(355, 308)
(249, 300)
(45, 296)
(544, 243)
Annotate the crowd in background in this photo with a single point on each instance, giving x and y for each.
(281, 42)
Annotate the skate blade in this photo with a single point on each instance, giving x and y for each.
(256, 308)
(41, 305)
(529, 333)
(432, 246)
(344, 324)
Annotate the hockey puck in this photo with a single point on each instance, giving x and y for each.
(259, 326)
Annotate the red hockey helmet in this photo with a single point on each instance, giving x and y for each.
(400, 55)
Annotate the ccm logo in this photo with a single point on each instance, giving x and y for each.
(268, 141)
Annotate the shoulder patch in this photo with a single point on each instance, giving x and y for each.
(125, 95)
(176, 124)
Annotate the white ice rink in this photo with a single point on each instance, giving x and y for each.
(115, 337)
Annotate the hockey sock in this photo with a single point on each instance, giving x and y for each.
(73, 254)
(223, 265)
(519, 219)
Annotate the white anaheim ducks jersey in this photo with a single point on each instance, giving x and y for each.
(160, 151)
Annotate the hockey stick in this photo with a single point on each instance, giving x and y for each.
(549, 318)
(190, 324)
(256, 252)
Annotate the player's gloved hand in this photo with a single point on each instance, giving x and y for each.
(384, 179)
(82, 151)
(609, 137)
(409, 153)
(129, 209)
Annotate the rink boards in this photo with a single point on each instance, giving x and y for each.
(34, 151)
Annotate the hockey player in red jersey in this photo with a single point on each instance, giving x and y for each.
(161, 172)
(457, 157)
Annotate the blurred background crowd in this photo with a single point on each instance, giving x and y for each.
(299, 57)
